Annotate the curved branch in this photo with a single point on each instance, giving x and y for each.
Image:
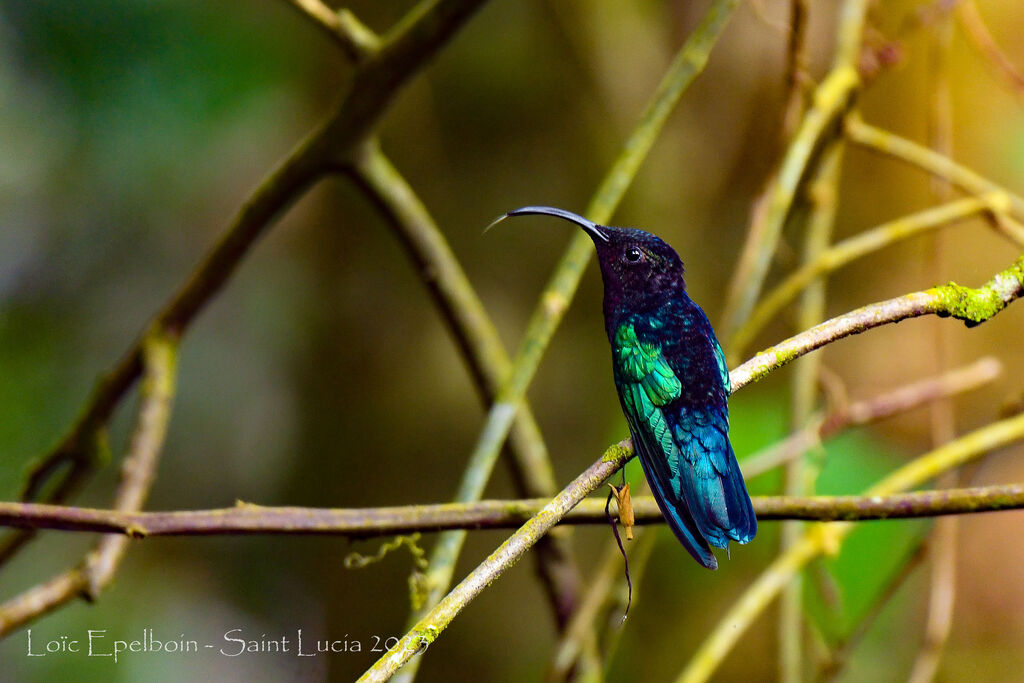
(981, 39)
(99, 566)
(828, 538)
(849, 250)
(973, 306)
(687, 65)
(481, 347)
(406, 49)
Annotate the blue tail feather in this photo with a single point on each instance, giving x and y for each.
(673, 507)
(709, 477)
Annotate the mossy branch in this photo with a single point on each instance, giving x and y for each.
(362, 523)
(1005, 286)
(554, 301)
(862, 244)
(405, 50)
(481, 347)
(972, 306)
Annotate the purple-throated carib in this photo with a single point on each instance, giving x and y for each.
(673, 385)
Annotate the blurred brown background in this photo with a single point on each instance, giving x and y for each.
(130, 133)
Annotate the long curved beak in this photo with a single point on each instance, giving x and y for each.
(592, 228)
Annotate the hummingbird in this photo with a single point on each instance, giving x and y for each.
(673, 385)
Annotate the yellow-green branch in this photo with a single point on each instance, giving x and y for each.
(862, 244)
(940, 166)
(972, 306)
(554, 301)
(481, 347)
(828, 538)
(137, 472)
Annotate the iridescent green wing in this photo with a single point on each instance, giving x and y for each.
(647, 385)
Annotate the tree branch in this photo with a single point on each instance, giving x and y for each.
(801, 473)
(853, 248)
(481, 347)
(830, 100)
(829, 537)
(137, 472)
(554, 301)
(508, 553)
(973, 306)
(405, 50)
(940, 166)
(361, 523)
(870, 410)
(982, 41)
(344, 28)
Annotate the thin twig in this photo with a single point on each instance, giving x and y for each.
(973, 306)
(611, 623)
(352, 36)
(359, 523)
(481, 347)
(829, 537)
(137, 471)
(796, 68)
(554, 301)
(801, 473)
(942, 416)
(982, 40)
(853, 248)
(572, 650)
(941, 166)
(603, 605)
(941, 600)
(832, 667)
(859, 413)
(830, 101)
(580, 632)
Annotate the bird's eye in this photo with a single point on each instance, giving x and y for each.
(633, 254)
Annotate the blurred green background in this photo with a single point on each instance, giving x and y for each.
(131, 132)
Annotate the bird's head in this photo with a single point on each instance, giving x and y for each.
(639, 269)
